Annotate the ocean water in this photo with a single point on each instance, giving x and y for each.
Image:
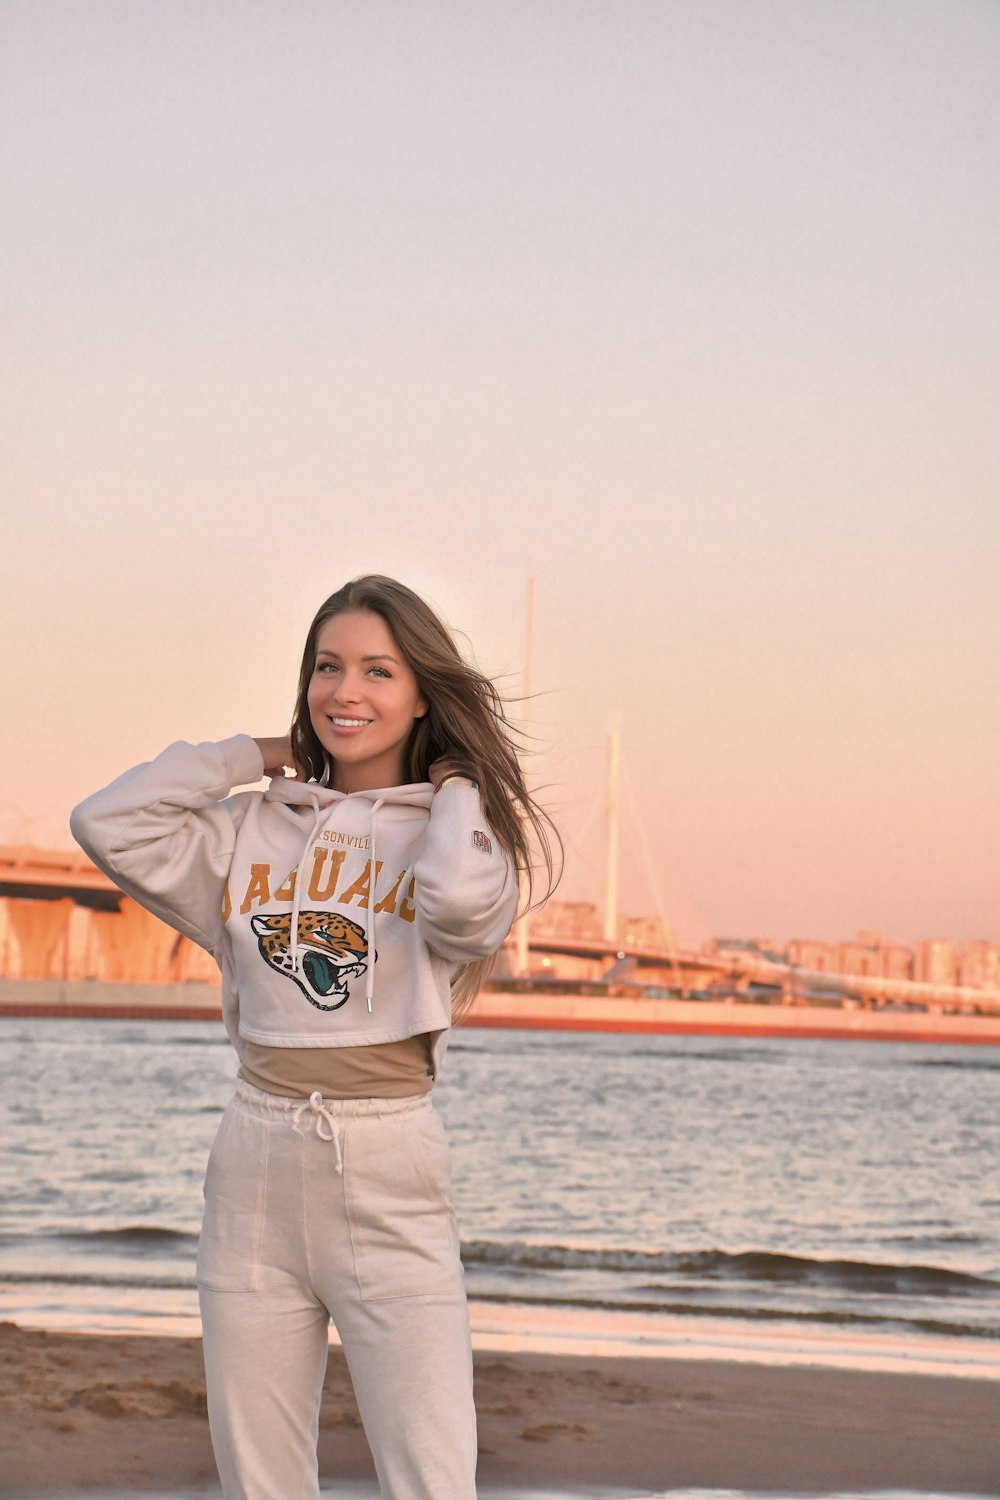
(827, 1202)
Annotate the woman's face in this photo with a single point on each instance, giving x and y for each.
(363, 699)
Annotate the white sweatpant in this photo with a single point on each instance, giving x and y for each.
(334, 1208)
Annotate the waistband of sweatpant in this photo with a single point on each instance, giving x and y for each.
(278, 1107)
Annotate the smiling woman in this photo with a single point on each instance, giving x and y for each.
(395, 850)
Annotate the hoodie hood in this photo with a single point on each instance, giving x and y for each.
(295, 793)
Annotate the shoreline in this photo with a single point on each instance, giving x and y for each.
(593, 1333)
(127, 1413)
(538, 1010)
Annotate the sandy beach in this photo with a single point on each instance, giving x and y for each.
(107, 1413)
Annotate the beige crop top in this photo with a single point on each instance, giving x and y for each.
(383, 1070)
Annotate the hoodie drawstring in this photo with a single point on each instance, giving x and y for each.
(370, 910)
(321, 814)
(321, 1113)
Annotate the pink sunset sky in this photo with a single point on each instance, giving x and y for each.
(687, 308)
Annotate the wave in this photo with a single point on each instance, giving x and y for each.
(130, 1240)
(963, 1064)
(93, 1278)
(829, 1316)
(129, 1237)
(740, 1266)
(647, 1270)
(627, 1302)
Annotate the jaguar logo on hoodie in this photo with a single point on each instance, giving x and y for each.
(331, 949)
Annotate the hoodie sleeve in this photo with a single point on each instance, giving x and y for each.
(466, 886)
(164, 835)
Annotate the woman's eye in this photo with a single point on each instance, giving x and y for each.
(380, 672)
(326, 666)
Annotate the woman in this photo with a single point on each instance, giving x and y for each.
(352, 908)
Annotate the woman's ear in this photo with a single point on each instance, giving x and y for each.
(421, 708)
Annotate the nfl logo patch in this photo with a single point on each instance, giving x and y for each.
(481, 841)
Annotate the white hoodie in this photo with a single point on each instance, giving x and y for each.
(278, 885)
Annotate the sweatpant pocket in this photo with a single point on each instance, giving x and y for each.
(398, 1192)
(235, 1196)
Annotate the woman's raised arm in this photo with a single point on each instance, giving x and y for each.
(466, 885)
(165, 835)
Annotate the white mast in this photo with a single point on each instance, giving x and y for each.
(611, 886)
(522, 933)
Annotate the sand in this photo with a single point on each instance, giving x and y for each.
(106, 1413)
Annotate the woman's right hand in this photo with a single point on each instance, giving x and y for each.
(277, 755)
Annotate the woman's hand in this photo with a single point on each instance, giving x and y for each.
(447, 767)
(277, 755)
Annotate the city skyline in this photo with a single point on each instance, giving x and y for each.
(61, 918)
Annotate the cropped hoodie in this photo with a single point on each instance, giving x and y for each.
(337, 920)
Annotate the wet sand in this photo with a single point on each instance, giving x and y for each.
(108, 1413)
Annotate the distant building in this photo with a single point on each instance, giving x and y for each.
(646, 932)
(759, 947)
(897, 961)
(936, 962)
(870, 955)
(809, 953)
(979, 966)
(893, 960)
(858, 958)
(567, 919)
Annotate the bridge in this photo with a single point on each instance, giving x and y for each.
(67, 920)
(70, 921)
(29, 874)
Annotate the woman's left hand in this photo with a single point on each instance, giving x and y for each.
(442, 768)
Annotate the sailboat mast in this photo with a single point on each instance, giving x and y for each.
(522, 932)
(611, 879)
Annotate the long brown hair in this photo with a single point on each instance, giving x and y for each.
(466, 720)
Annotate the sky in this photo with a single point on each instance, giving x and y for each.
(687, 309)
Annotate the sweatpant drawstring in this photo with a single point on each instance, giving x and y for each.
(321, 1113)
